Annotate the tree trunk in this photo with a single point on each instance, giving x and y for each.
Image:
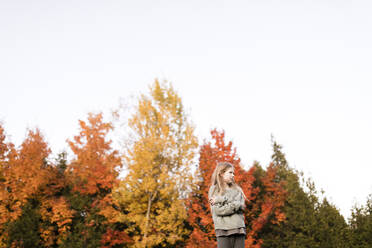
(151, 198)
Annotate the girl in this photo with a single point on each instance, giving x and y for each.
(227, 202)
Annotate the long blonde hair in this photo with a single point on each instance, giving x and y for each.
(218, 182)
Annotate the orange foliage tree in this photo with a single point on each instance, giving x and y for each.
(25, 179)
(93, 173)
(5, 149)
(265, 196)
(55, 209)
(24, 171)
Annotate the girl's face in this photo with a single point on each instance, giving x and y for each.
(228, 176)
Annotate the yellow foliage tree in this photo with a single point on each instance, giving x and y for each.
(158, 163)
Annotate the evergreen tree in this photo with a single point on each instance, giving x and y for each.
(299, 228)
(24, 231)
(361, 225)
(332, 231)
(309, 222)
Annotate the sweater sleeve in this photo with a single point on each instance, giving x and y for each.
(220, 199)
(230, 207)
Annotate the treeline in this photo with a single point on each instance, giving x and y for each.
(162, 200)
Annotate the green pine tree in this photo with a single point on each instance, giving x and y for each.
(299, 228)
(361, 225)
(309, 222)
(332, 229)
(24, 232)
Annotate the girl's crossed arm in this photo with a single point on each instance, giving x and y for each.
(224, 206)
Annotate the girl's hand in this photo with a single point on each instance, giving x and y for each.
(212, 201)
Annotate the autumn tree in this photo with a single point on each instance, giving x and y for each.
(92, 175)
(25, 172)
(33, 213)
(6, 214)
(159, 169)
(267, 207)
(264, 194)
(199, 213)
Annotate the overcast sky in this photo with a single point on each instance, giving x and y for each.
(300, 70)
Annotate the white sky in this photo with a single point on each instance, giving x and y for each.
(300, 70)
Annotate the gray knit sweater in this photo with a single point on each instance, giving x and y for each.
(227, 211)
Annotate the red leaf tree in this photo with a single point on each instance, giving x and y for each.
(94, 173)
(265, 197)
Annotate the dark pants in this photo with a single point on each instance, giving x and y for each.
(231, 241)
